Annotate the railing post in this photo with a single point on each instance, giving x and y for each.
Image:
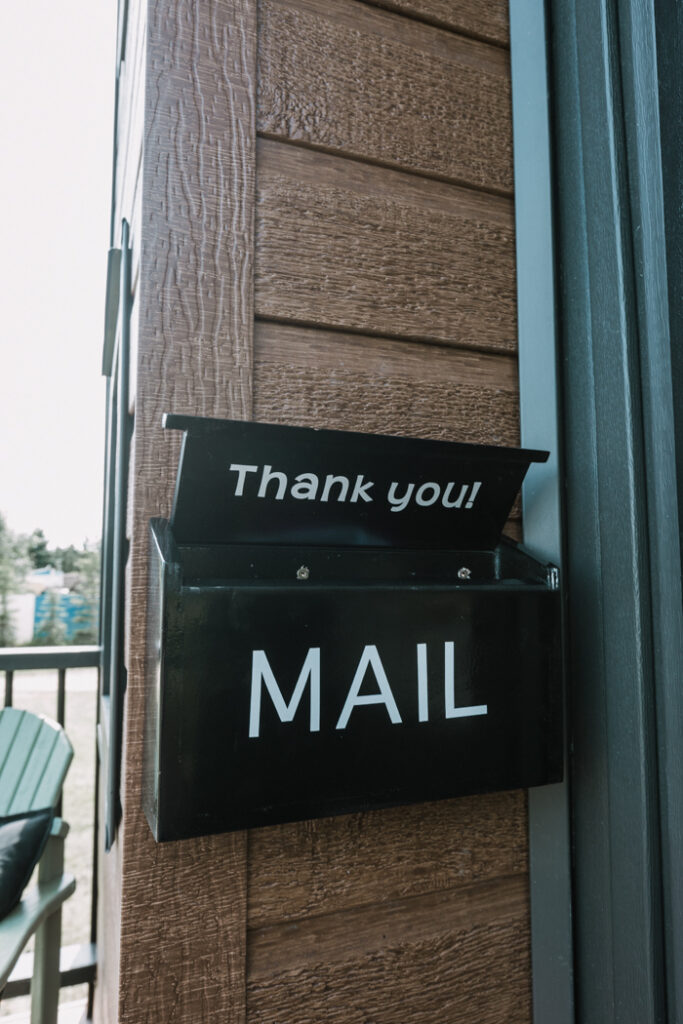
(61, 714)
(61, 696)
(9, 681)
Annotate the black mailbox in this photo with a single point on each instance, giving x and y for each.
(335, 624)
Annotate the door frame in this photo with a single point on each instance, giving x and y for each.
(605, 186)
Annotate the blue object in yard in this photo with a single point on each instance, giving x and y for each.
(68, 615)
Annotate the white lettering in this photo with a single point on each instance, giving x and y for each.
(473, 494)
(268, 475)
(449, 681)
(360, 489)
(398, 504)
(369, 657)
(261, 671)
(422, 694)
(420, 496)
(306, 486)
(236, 467)
(458, 501)
(343, 482)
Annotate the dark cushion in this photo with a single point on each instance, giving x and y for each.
(22, 841)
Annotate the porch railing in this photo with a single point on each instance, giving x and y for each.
(78, 962)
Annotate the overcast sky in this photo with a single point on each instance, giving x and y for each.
(56, 128)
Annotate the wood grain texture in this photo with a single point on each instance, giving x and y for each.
(455, 956)
(482, 19)
(360, 859)
(351, 79)
(382, 357)
(185, 958)
(343, 244)
(183, 906)
(353, 382)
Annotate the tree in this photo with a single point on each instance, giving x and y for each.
(68, 559)
(38, 551)
(13, 560)
(60, 618)
(88, 586)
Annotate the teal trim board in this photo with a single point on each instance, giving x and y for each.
(549, 840)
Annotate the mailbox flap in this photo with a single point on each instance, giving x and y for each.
(247, 483)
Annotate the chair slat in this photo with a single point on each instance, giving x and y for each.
(34, 772)
(35, 754)
(48, 790)
(18, 756)
(10, 719)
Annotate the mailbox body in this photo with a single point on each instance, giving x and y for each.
(399, 654)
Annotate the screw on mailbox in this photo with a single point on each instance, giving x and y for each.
(303, 572)
(464, 573)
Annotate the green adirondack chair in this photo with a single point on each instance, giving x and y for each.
(35, 755)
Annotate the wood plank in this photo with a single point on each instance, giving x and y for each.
(19, 731)
(36, 793)
(354, 382)
(10, 725)
(442, 957)
(360, 859)
(42, 780)
(347, 934)
(482, 19)
(386, 89)
(183, 906)
(343, 244)
(382, 357)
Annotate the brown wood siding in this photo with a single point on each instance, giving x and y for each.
(344, 244)
(482, 19)
(354, 269)
(351, 79)
(455, 955)
(390, 855)
(182, 908)
(352, 381)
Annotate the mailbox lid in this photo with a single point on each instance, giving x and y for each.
(258, 483)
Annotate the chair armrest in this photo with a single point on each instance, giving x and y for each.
(22, 922)
(60, 828)
(51, 864)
